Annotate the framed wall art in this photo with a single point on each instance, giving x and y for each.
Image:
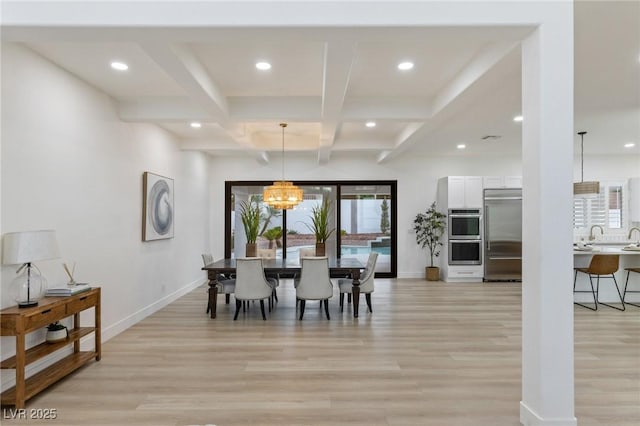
(157, 207)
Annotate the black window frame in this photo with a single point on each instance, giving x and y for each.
(393, 185)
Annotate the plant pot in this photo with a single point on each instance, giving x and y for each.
(320, 249)
(432, 273)
(57, 335)
(251, 250)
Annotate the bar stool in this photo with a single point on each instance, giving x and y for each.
(624, 295)
(600, 266)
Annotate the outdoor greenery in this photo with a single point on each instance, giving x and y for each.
(273, 234)
(320, 216)
(429, 228)
(250, 215)
(269, 213)
(384, 217)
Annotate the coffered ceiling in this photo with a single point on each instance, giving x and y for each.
(328, 82)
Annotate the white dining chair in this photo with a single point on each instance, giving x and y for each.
(314, 283)
(226, 285)
(270, 253)
(366, 282)
(251, 284)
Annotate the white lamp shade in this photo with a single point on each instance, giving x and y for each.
(30, 246)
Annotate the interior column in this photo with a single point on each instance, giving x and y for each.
(547, 292)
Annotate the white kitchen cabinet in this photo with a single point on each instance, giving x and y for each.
(502, 182)
(462, 191)
(634, 199)
(513, 181)
(455, 191)
(470, 273)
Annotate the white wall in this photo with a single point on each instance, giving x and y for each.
(417, 181)
(69, 164)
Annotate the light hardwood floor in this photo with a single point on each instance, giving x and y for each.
(430, 354)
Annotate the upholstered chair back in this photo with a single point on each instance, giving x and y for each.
(314, 282)
(251, 283)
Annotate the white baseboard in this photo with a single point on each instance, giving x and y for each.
(87, 342)
(528, 417)
(413, 275)
(120, 326)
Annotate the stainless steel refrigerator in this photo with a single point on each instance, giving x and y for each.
(503, 234)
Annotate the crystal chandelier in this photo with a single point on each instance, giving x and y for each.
(282, 194)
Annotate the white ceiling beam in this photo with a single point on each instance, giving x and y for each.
(479, 66)
(338, 60)
(223, 147)
(160, 109)
(482, 62)
(402, 108)
(185, 68)
(282, 108)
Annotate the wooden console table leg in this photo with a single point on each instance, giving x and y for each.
(76, 326)
(98, 325)
(20, 366)
(356, 291)
(213, 296)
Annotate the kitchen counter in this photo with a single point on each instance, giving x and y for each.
(607, 292)
(617, 249)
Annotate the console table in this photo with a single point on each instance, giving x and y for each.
(19, 322)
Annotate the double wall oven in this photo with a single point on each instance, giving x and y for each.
(465, 237)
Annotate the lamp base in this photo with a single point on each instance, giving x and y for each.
(27, 304)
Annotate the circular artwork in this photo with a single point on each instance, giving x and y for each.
(160, 211)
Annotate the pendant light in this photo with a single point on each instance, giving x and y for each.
(282, 194)
(582, 188)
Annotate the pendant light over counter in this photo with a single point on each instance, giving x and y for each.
(582, 188)
(282, 194)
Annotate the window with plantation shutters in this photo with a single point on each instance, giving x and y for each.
(605, 209)
(615, 205)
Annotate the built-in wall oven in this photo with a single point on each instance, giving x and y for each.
(465, 224)
(465, 237)
(465, 252)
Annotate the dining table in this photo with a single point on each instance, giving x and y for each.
(338, 268)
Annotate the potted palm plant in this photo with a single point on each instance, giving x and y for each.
(273, 235)
(250, 215)
(429, 228)
(320, 216)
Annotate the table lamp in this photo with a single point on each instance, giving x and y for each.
(24, 248)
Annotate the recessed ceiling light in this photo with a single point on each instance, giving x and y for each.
(370, 124)
(120, 66)
(263, 66)
(405, 66)
(196, 125)
(517, 118)
(461, 146)
(629, 145)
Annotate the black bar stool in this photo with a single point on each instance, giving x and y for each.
(629, 271)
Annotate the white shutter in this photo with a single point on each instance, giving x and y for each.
(615, 206)
(606, 209)
(580, 219)
(598, 209)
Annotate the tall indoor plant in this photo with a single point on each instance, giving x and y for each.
(429, 228)
(250, 215)
(320, 217)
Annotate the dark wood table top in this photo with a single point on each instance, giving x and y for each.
(284, 265)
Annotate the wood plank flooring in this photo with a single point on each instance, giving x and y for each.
(430, 354)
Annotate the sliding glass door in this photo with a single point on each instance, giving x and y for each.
(365, 213)
(363, 217)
